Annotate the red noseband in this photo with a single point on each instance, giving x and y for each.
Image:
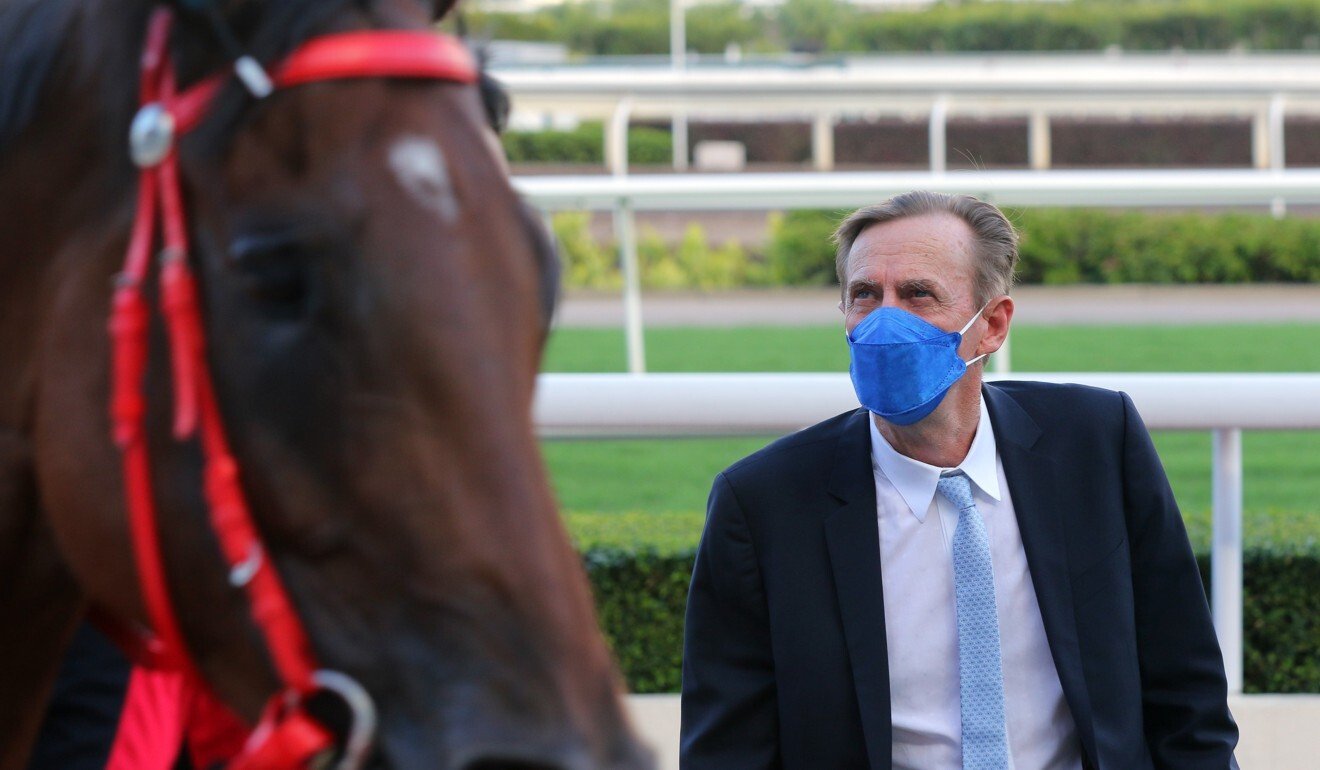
(287, 736)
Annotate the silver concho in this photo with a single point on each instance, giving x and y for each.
(151, 136)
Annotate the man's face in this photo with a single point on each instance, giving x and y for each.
(921, 264)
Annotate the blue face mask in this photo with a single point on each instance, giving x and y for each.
(902, 366)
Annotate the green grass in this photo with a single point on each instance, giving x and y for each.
(624, 493)
(654, 492)
(1236, 348)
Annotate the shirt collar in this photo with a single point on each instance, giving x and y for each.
(916, 481)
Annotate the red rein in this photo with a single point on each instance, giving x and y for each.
(287, 736)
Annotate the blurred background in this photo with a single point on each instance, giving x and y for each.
(1159, 158)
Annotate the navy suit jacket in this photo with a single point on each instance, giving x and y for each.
(785, 662)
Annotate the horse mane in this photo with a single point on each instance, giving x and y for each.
(32, 33)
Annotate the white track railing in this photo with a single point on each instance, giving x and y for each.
(671, 405)
(801, 190)
(624, 195)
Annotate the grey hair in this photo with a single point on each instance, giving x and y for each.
(996, 240)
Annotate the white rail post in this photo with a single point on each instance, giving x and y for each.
(678, 59)
(1226, 551)
(939, 117)
(625, 229)
(1276, 116)
(822, 141)
(1038, 141)
(1260, 138)
(678, 133)
(616, 137)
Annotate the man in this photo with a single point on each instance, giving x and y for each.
(959, 574)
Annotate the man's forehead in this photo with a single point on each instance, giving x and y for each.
(935, 244)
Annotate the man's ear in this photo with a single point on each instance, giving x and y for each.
(999, 315)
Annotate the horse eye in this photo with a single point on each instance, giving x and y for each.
(273, 270)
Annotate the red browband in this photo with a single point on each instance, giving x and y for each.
(287, 736)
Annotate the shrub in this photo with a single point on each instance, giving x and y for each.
(641, 596)
(1280, 618)
(586, 144)
(587, 264)
(1096, 246)
(711, 268)
(660, 266)
(800, 251)
(711, 27)
(1194, 25)
(649, 146)
(693, 264)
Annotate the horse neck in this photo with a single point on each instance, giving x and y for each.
(67, 179)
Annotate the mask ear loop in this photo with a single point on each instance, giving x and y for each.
(963, 331)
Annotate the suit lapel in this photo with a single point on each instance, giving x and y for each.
(1041, 502)
(853, 537)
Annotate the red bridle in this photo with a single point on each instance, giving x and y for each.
(287, 735)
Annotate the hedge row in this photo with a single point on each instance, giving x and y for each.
(624, 27)
(693, 263)
(641, 596)
(1059, 246)
(1088, 26)
(631, 27)
(585, 144)
(1112, 247)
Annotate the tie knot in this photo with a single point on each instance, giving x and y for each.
(957, 489)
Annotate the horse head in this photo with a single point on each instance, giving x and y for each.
(375, 299)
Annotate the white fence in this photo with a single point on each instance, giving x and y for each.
(667, 405)
(753, 191)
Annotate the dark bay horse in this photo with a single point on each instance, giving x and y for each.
(374, 305)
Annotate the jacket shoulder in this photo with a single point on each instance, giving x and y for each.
(1062, 398)
(797, 452)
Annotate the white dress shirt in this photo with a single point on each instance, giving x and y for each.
(921, 627)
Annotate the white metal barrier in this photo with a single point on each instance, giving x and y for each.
(755, 191)
(669, 405)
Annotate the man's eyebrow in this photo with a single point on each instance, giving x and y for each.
(861, 283)
(919, 284)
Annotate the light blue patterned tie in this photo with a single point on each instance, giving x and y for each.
(980, 676)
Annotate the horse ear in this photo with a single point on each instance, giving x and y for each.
(441, 7)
